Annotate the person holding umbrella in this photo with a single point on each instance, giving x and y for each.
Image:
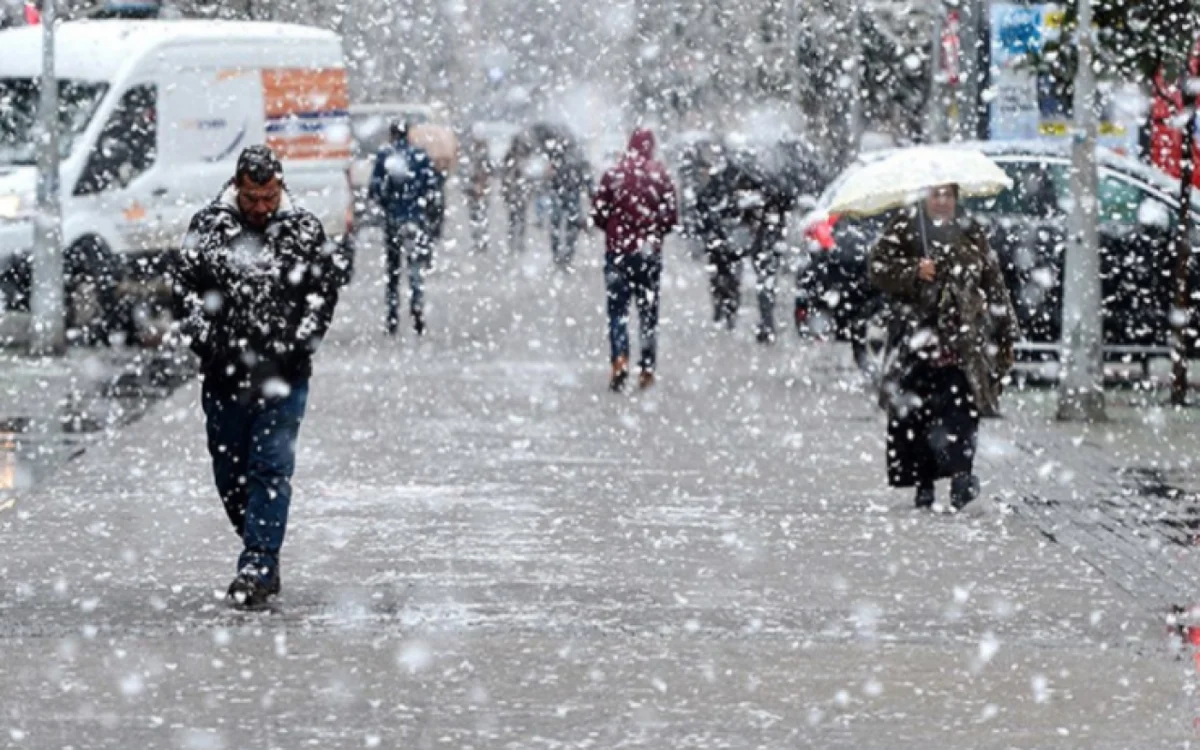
(953, 327)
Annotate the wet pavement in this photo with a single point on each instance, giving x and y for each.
(52, 409)
(488, 549)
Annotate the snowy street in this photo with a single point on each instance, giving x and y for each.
(487, 549)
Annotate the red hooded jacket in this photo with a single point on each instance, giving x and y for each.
(636, 203)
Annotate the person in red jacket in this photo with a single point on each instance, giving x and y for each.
(635, 207)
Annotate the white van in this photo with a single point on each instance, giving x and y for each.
(153, 116)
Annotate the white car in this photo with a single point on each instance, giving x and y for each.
(153, 116)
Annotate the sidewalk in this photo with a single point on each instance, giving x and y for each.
(487, 550)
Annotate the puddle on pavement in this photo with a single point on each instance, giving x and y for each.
(1176, 515)
(31, 449)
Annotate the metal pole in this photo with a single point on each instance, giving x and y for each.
(968, 72)
(935, 107)
(1181, 311)
(1081, 387)
(47, 336)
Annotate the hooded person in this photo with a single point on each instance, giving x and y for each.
(255, 286)
(954, 330)
(408, 188)
(636, 207)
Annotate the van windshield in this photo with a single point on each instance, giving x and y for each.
(19, 99)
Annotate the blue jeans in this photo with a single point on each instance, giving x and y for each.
(565, 221)
(406, 243)
(635, 275)
(253, 449)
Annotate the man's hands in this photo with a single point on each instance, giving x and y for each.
(926, 270)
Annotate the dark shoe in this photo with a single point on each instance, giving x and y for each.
(620, 373)
(645, 379)
(964, 488)
(251, 591)
(419, 323)
(766, 336)
(926, 497)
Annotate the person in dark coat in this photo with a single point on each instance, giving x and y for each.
(742, 215)
(255, 286)
(408, 188)
(570, 180)
(954, 331)
(636, 207)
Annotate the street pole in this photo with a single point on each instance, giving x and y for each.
(47, 334)
(935, 107)
(1081, 385)
(968, 61)
(1181, 310)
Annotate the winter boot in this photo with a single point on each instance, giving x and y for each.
(250, 591)
(963, 489)
(925, 496)
(765, 335)
(419, 322)
(620, 373)
(645, 379)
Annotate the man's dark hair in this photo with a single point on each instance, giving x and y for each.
(259, 164)
(399, 129)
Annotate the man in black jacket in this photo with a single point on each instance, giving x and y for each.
(255, 287)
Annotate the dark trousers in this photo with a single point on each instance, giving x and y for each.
(477, 212)
(565, 221)
(636, 275)
(933, 430)
(725, 272)
(253, 449)
(518, 211)
(406, 243)
(766, 270)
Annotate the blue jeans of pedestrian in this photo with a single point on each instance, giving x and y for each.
(406, 243)
(253, 449)
(565, 221)
(637, 276)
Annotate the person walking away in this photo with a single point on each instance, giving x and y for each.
(955, 329)
(733, 210)
(570, 178)
(636, 207)
(255, 289)
(478, 185)
(516, 189)
(408, 189)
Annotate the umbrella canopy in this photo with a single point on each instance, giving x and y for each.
(438, 141)
(903, 178)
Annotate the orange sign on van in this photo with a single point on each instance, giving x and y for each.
(307, 113)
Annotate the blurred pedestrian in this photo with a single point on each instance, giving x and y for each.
(570, 179)
(954, 331)
(636, 206)
(478, 188)
(742, 213)
(516, 188)
(408, 188)
(255, 288)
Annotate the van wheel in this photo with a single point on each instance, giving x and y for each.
(90, 292)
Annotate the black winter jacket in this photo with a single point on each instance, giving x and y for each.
(254, 305)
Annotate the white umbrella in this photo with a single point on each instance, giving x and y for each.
(904, 177)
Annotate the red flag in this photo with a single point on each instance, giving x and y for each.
(32, 16)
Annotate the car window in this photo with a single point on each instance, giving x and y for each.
(1036, 192)
(1125, 202)
(127, 146)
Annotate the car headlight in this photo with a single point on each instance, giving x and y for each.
(16, 206)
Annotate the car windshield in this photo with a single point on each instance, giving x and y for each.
(19, 97)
